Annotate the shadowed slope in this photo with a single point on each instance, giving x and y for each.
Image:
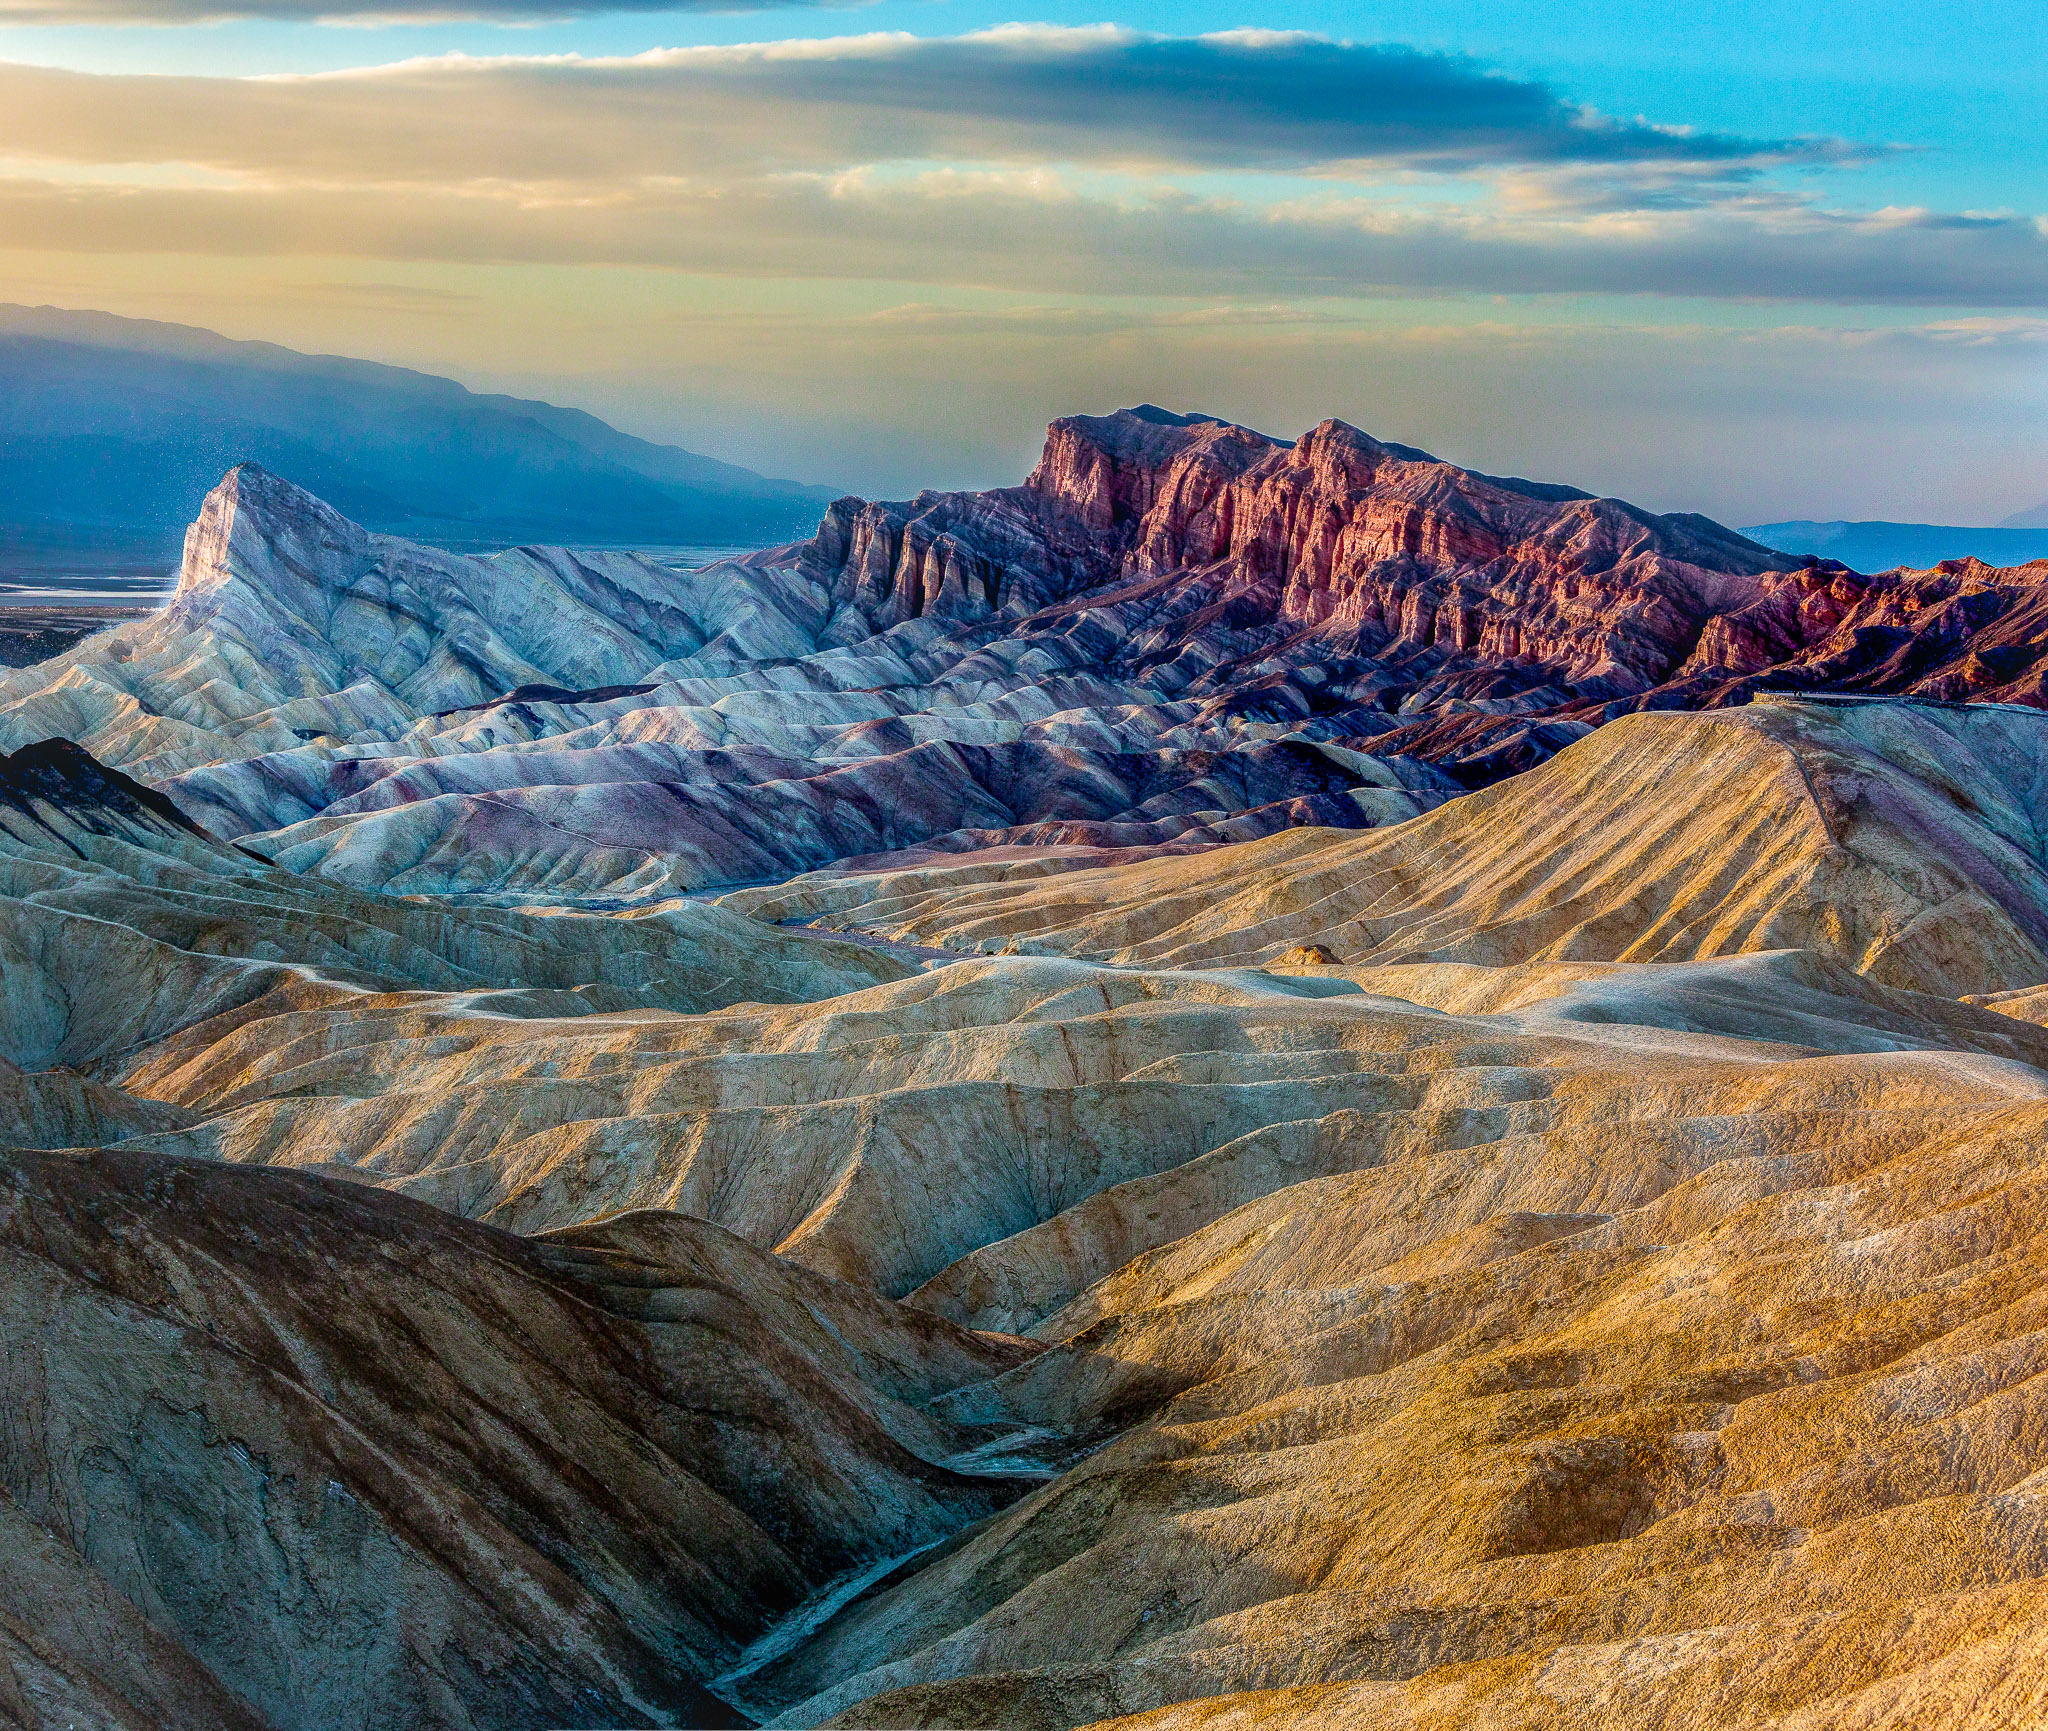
(524, 1484)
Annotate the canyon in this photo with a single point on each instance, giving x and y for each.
(1251, 1083)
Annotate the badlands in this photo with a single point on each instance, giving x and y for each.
(1247, 1085)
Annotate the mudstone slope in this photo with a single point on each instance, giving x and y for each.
(1564, 1253)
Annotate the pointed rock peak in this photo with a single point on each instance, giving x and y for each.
(252, 488)
(252, 516)
(1149, 432)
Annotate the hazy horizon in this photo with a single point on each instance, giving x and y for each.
(879, 249)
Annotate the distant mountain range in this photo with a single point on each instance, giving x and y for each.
(112, 430)
(1885, 546)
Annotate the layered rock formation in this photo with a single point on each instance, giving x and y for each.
(540, 725)
(1561, 1254)
(1176, 633)
(1904, 840)
(1393, 1337)
(1462, 594)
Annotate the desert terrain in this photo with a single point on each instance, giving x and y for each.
(1249, 1084)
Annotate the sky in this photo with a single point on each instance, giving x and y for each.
(1759, 258)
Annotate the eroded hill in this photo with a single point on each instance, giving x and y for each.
(1568, 1255)
(1904, 839)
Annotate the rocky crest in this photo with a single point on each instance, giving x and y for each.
(1175, 633)
(1462, 589)
(1337, 530)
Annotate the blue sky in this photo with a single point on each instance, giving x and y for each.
(1764, 260)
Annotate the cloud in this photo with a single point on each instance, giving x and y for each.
(1092, 161)
(1243, 101)
(1000, 230)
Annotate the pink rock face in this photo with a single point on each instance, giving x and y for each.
(1339, 530)
(1959, 631)
(1256, 564)
(1367, 547)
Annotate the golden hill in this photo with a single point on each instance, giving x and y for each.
(1905, 840)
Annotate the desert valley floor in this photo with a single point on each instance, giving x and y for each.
(1252, 1084)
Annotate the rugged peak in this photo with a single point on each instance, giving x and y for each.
(1338, 444)
(1110, 469)
(250, 519)
(1342, 455)
(1378, 545)
(1343, 433)
(1156, 481)
(277, 578)
(1345, 530)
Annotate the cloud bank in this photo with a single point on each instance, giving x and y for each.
(1095, 160)
(1245, 101)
